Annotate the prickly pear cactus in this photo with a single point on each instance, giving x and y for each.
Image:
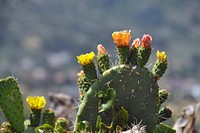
(122, 94)
(11, 103)
(12, 107)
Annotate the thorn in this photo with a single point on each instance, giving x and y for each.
(132, 91)
(77, 102)
(130, 73)
(108, 83)
(149, 65)
(137, 73)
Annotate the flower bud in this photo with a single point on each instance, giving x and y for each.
(161, 56)
(101, 50)
(146, 41)
(136, 43)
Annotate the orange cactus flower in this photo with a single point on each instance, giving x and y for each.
(161, 56)
(122, 38)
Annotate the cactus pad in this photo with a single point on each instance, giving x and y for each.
(11, 103)
(136, 91)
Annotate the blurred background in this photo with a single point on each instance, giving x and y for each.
(40, 39)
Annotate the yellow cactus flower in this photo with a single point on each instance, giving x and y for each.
(161, 56)
(122, 38)
(86, 59)
(36, 102)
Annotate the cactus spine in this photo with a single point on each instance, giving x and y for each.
(122, 94)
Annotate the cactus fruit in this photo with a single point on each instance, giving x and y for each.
(49, 117)
(61, 124)
(11, 103)
(163, 95)
(161, 64)
(83, 84)
(124, 93)
(143, 49)
(102, 59)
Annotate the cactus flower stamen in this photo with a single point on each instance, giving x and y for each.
(86, 59)
(146, 41)
(36, 102)
(122, 38)
(161, 56)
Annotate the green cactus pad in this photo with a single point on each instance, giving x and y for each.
(11, 103)
(136, 92)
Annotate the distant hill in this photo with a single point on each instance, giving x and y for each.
(34, 30)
